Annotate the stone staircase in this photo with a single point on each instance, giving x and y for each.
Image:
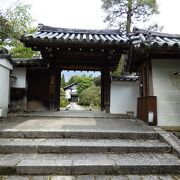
(94, 153)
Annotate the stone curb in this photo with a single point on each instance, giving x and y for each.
(171, 139)
(78, 134)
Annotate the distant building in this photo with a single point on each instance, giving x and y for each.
(71, 92)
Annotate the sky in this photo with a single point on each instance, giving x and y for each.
(88, 14)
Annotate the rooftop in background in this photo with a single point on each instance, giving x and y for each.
(28, 62)
(145, 38)
(125, 78)
(70, 85)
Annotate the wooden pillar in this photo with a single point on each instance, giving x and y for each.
(102, 91)
(54, 88)
(106, 86)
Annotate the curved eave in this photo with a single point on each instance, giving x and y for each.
(31, 42)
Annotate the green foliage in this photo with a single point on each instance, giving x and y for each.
(120, 68)
(63, 101)
(5, 29)
(63, 83)
(83, 82)
(14, 22)
(90, 96)
(124, 13)
(20, 51)
(97, 81)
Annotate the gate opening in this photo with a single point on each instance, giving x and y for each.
(80, 90)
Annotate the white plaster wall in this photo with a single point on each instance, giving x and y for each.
(68, 93)
(5, 68)
(166, 87)
(20, 73)
(124, 97)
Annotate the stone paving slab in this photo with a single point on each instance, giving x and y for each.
(102, 145)
(81, 164)
(42, 167)
(19, 145)
(82, 134)
(96, 177)
(73, 123)
(80, 145)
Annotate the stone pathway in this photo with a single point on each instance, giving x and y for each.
(75, 107)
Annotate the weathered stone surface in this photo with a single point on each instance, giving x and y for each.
(96, 163)
(19, 145)
(84, 133)
(17, 178)
(93, 167)
(43, 167)
(60, 127)
(145, 164)
(39, 178)
(150, 177)
(8, 166)
(89, 177)
(63, 178)
(101, 145)
(133, 177)
(171, 139)
(15, 145)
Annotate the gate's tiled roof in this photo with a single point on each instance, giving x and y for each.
(63, 35)
(151, 39)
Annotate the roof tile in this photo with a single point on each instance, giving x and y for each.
(154, 39)
(107, 36)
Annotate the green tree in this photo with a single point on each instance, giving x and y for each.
(97, 81)
(63, 101)
(124, 13)
(5, 29)
(14, 22)
(63, 83)
(90, 96)
(83, 82)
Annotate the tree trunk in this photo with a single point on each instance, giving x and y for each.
(129, 15)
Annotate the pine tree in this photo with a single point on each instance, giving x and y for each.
(124, 13)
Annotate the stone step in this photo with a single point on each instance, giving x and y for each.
(95, 177)
(82, 134)
(89, 164)
(11, 145)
